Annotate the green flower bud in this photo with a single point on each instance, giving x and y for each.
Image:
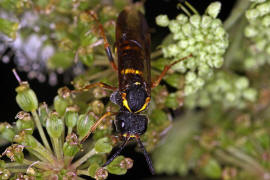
(172, 50)
(26, 97)
(72, 145)
(162, 20)
(230, 96)
(220, 32)
(97, 107)
(206, 21)
(190, 77)
(8, 28)
(266, 21)
(252, 14)
(71, 116)
(263, 8)
(215, 24)
(103, 145)
(183, 44)
(174, 26)
(199, 82)
(188, 90)
(60, 105)
(115, 168)
(54, 125)
(187, 29)
(25, 122)
(191, 64)
(250, 94)
(218, 62)
(250, 63)
(242, 83)
(250, 31)
(182, 19)
(14, 153)
(43, 113)
(6, 131)
(195, 20)
(213, 9)
(84, 123)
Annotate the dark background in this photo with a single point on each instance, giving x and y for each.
(9, 108)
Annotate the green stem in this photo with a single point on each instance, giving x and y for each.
(84, 158)
(40, 130)
(82, 172)
(238, 10)
(69, 130)
(12, 170)
(37, 155)
(37, 164)
(14, 164)
(57, 148)
(245, 158)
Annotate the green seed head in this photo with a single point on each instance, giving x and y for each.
(72, 145)
(54, 125)
(25, 122)
(103, 145)
(71, 116)
(26, 97)
(84, 123)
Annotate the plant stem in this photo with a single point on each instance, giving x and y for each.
(82, 172)
(40, 130)
(238, 10)
(57, 148)
(84, 158)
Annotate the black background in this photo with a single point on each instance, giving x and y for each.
(9, 108)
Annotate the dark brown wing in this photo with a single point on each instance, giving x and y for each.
(133, 49)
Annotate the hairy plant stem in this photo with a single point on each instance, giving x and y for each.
(40, 130)
(84, 158)
(238, 10)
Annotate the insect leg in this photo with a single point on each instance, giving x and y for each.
(117, 152)
(106, 44)
(94, 127)
(165, 70)
(148, 159)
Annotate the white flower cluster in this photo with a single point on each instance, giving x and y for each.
(203, 37)
(257, 31)
(227, 89)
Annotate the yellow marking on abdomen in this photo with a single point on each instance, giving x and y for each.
(131, 71)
